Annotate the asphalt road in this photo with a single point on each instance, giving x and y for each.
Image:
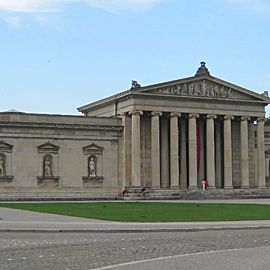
(238, 259)
(211, 250)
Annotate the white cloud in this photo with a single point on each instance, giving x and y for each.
(13, 21)
(123, 5)
(254, 6)
(27, 6)
(10, 9)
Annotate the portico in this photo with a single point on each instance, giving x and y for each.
(184, 131)
(180, 148)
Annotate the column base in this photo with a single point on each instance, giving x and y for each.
(244, 187)
(155, 187)
(174, 187)
(195, 188)
(228, 187)
(261, 187)
(135, 187)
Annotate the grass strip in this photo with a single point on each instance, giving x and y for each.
(152, 211)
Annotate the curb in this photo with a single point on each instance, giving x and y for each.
(199, 229)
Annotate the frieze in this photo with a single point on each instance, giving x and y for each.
(200, 88)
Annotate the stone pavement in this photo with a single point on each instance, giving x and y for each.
(12, 220)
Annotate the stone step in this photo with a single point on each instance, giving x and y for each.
(134, 194)
(198, 194)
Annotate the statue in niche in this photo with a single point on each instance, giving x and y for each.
(2, 165)
(47, 165)
(92, 166)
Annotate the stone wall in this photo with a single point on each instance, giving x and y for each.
(54, 152)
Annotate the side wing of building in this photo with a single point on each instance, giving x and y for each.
(55, 156)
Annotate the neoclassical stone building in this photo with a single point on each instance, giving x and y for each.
(166, 137)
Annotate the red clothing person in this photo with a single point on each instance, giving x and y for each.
(204, 184)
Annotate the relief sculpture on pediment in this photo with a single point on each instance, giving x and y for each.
(201, 88)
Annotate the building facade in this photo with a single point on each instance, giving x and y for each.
(168, 136)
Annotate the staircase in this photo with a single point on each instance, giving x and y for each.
(167, 194)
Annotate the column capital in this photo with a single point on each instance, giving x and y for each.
(156, 113)
(260, 119)
(211, 116)
(175, 114)
(228, 117)
(244, 118)
(193, 115)
(135, 112)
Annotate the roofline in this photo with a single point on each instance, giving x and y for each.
(128, 92)
(55, 115)
(122, 94)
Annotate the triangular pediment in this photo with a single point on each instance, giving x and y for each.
(202, 86)
(93, 149)
(5, 147)
(48, 148)
(206, 87)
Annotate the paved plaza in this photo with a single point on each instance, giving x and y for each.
(83, 251)
(30, 240)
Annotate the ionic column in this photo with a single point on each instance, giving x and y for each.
(210, 151)
(267, 167)
(200, 159)
(174, 146)
(126, 151)
(192, 151)
(165, 153)
(155, 149)
(218, 154)
(244, 152)
(183, 154)
(227, 152)
(260, 153)
(135, 148)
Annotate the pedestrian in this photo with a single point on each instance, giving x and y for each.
(143, 191)
(125, 192)
(204, 184)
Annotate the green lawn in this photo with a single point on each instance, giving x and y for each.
(152, 211)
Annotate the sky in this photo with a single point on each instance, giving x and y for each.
(57, 55)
